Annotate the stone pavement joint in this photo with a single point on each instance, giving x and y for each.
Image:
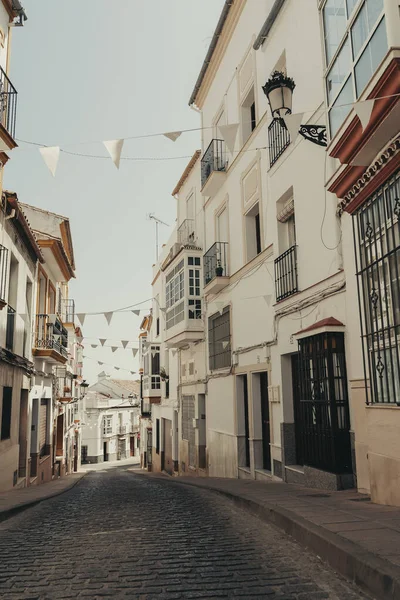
(328, 523)
(15, 501)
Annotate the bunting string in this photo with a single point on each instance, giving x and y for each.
(102, 363)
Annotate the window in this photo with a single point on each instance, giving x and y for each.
(52, 300)
(175, 287)
(219, 336)
(253, 232)
(155, 360)
(3, 272)
(158, 326)
(6, 414)
(377, 238)
(248, 115)
(353, 51)
(194, 309)
(107, 424)
(157, 436)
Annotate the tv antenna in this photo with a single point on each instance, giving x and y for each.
(157, 222)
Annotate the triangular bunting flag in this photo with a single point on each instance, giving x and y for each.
(363, 111)
(93, 345)
(174, 351)
(293, 123)
(116, 368)
(81, 317)
(267, 299)
(114, 348)
(100, 363)
(163, 310)
(114, 148)
(124, 343)
(173, 135)
(50, 156)
(134, 352)
(108, 316)
(102, 342)
(133, 372)
(225, 345)
(229, 133)
(136, 312)
(153, 353)
(219, 306)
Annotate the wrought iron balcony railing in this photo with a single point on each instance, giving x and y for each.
(278, 140)
(214, 159)
(3, 273)
(8, 104)
(51, 335)
(10, 328)
(286, 274)
(216, 262)
(186, 234)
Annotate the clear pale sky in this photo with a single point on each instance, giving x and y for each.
(96, 70)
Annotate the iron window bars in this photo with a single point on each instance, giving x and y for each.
(376, 228)
(286, 282)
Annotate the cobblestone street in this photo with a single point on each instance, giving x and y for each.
(118, 535)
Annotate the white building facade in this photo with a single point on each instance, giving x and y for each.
(110, 421)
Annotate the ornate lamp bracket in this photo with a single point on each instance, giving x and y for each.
(314, 133)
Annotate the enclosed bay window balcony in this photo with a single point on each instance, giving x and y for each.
(216, 275)
(213, 168)
(66, 310)
(183, 302)
(151, 381)
(51, 339)
(8, 112)
(186, 233)
(286, 274)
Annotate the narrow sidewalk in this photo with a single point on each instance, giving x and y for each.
(14, 501)
(359, 539)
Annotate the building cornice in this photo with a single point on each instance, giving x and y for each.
(371, 178)
(59, 254)
(221, 38)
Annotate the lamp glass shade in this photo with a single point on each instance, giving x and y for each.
(280, 100)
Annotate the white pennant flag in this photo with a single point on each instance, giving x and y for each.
(225, 345)
(81, 317)
(134, 352)
(116, 368)
(93, 345)
(133, 372)
(153, 353)
(293, 123)
(267, 299)
(102, 342)
(174, 351)
(50, 156)
(100, 363)
(229, 134)
(173, 135)
(114, 148)
(124, 343)
(220, 307)
(363, 111)
(136, 312)
(108, 316)
(114, 348)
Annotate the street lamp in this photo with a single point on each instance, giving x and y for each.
(279, 91)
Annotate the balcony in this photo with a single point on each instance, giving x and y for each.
(184, 323)
(3, 276)
(186, 234)
(278, 140)
(121, 430)
(10, 329)
(50, 340)
(8, 113)
(216, 274)
(152, 388)
(213, 168)
(286, 274)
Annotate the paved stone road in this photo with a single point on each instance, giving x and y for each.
(118, 535)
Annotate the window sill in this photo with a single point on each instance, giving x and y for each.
(383, 405)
